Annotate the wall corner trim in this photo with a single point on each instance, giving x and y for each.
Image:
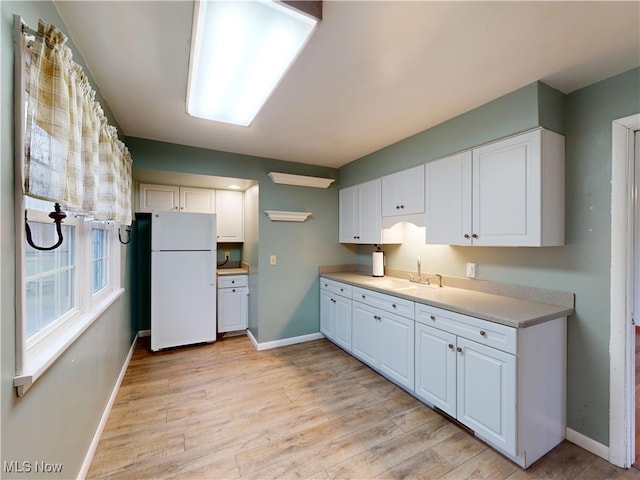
(587, 443)
(283, 342)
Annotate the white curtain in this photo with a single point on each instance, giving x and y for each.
(72, 155)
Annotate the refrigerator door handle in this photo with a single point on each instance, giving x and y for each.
(212, 280)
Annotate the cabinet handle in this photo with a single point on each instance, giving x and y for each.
(397, 207)
(342, 289)
(363, 296)
(475, 235)
(376, 317)
(459, 350)
(393, 305)
(451, 346)
(483, 333)
(401, 206)
(432, 317)
(466, 235)
(233, 290)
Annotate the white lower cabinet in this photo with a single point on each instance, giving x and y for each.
(233, 303)
(382, 339)
(505, 384)
(469, 381)
(335, 312)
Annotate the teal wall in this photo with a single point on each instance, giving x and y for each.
(287, 303)
(512, 113)
(582, 265)
(56, 419)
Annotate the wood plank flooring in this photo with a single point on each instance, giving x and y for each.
(227, 411)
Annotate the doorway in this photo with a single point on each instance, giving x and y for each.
(624, 261)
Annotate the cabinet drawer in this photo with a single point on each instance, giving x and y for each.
(338, 288)
(230, 281)
(481, 331)
(388, 303)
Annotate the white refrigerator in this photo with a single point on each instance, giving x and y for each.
(183, 279)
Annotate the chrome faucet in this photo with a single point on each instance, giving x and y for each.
(419, 279)
(438, 276)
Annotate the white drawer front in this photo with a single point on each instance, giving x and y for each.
(338, 288)
(388, 303)
(230, 281)
(484, 332)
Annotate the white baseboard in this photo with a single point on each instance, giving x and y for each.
(284, 342)
(82, 474)
(587, 443)
(144, 333)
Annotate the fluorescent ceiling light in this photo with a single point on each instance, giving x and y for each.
(239, 52)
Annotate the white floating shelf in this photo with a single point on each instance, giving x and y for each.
(300, 180)
(280, 216)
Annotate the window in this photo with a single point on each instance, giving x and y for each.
(64, 289)
(50, 277)
(67, 153)
(100, 258)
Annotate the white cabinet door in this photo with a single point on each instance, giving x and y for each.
(232, 309)
(158, 197)
(230, 216)
(448, 200)
(342, 330)
(436, 368)
(396, 348)
(506, 191)
(369, 212)
(486, 393)
(348, 227)
(197, 200)
(403, 192)
(365, 343)
(327, 315)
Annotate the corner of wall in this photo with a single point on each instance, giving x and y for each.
(551, 108)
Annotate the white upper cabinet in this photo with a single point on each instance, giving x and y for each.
(230, 216)
(361, 216)
(158, 197)
(403, 192)
(171, 197)
(507, 193)
(197, 200)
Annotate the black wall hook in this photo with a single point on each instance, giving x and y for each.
(128, 230)
(57, 215)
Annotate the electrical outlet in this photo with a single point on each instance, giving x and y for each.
(227, 255)
(272, 260)
(472, 270)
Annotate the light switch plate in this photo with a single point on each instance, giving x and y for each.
(272, 260)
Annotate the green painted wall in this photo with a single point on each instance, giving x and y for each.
(56, 420)
(509, 114)
(300, 247)
(582, 265)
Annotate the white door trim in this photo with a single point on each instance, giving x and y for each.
(621, 341)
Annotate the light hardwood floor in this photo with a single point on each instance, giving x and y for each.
(305, 411)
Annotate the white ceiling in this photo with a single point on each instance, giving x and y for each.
(373, 73)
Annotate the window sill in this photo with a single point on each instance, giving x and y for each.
(38, 362)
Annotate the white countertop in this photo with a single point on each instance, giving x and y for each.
(508, 311)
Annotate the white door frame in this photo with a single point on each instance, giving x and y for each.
(622, 341)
